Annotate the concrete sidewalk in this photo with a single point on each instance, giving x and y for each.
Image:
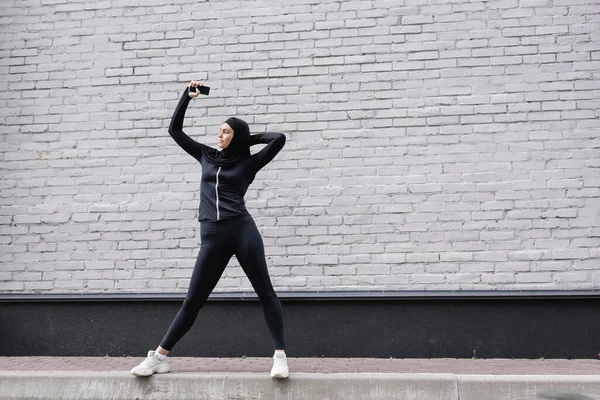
(311, 378)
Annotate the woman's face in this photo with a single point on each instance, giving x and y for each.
(225, 136)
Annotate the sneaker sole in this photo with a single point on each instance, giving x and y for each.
(140, 374)
(160, 371)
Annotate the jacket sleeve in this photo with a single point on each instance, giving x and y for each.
(188, 144)
(274, 141)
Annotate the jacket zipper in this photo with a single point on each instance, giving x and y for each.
(217, 193)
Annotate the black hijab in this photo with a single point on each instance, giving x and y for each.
(238, 149)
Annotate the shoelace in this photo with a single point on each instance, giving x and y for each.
(152, 360)
(279, 361)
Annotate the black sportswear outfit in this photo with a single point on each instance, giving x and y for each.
(226, 226)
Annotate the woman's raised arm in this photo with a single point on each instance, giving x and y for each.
(188, 144)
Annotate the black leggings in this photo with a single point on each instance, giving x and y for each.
(221, 240)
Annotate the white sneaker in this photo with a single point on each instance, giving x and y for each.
(280, 368)
(151, 365)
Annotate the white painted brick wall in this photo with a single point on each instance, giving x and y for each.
(430, 146)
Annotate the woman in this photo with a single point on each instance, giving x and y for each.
(226, 229)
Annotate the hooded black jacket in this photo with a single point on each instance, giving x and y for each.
(222, 188)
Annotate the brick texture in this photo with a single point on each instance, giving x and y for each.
(446, 146)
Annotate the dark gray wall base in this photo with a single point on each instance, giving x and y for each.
(517, 325)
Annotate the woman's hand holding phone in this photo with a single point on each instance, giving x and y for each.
(196, 88)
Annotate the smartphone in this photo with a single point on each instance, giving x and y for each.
(203, 89)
